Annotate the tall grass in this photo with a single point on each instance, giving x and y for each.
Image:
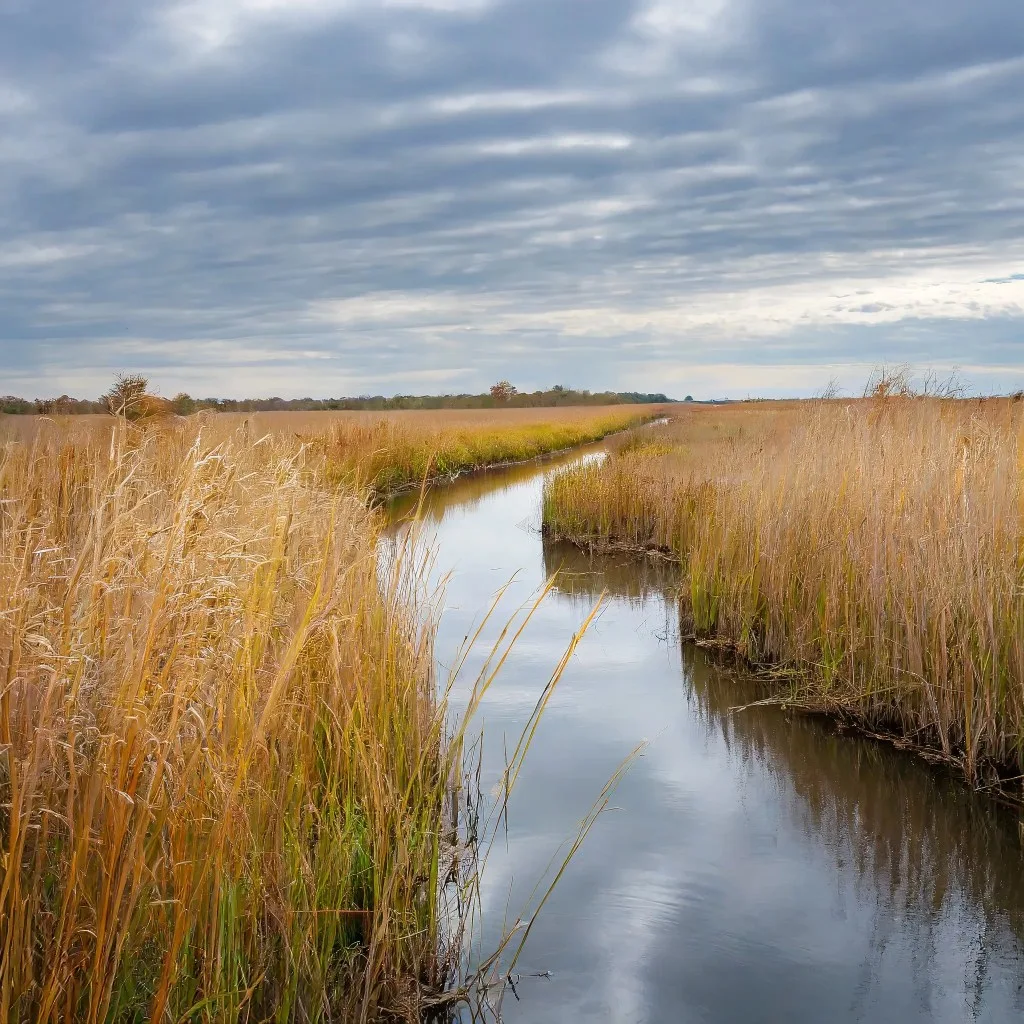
(873, 549)
(391, 454)
(229, 790)
(386, 453)
(222, 774)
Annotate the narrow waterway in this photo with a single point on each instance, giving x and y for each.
(755, 866)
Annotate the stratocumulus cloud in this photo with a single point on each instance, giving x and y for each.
(341, 196)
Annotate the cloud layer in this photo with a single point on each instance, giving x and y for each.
(340, 196)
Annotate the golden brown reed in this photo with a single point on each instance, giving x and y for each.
(390, 451)
(225, 780)
(401, 450)
(433, 421)
(221, 767)
(874, 547)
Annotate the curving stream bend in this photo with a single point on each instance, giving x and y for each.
(756, 867)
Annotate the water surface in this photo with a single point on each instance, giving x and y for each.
(757, 866)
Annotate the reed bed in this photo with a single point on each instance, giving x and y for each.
(390, 454)
(223, 778)
(385, 453)
(434, 421)
(869, 554)
(229, 789)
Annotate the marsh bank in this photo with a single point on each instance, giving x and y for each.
(757, 866)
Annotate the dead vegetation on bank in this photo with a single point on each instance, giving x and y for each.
(215, 722)
(227, 788)
(871, 552)
(390, 455)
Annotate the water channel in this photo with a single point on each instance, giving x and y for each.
(756, 866)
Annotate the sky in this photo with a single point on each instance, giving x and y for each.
(339, 197)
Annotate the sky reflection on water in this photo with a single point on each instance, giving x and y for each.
(756, 866)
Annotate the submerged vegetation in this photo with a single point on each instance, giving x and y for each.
(228, 786)
(867, 554)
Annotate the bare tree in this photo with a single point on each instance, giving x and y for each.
(831, 390)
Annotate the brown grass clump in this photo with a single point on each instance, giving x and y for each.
(874, 547)
(129, 397)
(222, 774)
(153, 407)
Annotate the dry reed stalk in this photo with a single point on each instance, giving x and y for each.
(227, 783)
(222, 772)
(874, 546)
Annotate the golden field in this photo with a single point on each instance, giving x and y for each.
(226, 779)
(870, 553)
(385, 452)
(434, 421)
(402, 450)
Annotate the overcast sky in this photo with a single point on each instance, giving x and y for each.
(327, 197)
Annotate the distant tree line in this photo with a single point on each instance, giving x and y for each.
(501, 395)
(65, 405)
